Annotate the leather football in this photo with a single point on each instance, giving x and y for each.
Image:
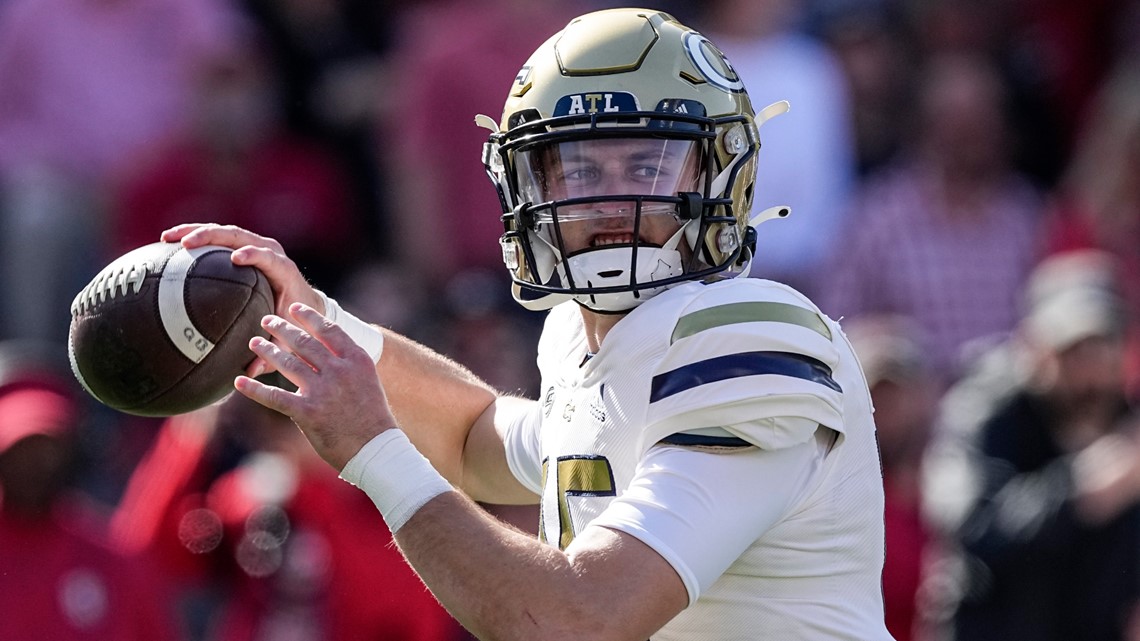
(163, 330)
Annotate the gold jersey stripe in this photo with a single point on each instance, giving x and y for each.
(753, 312)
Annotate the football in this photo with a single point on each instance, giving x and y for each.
(164, 330)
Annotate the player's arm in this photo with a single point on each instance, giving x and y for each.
(453, 418)
(501, 583)
(648, 556)
(685, 518)
(448, 413)
(504, 584)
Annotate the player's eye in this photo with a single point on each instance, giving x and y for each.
(647, 172)
(581, 176)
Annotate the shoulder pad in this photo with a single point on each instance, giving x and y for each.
(741, 353)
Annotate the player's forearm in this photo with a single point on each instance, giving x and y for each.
(502, 584)
(435, 400)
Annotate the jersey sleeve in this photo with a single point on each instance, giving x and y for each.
(700, 510)
(520, 434)
(746, 366)
(561, 342)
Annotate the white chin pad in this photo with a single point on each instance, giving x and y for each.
(610, 268)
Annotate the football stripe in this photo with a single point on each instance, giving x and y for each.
(736, 365)
(749, 312)
(172, 305)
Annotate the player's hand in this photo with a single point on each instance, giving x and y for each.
(339, 403)
(289, 285)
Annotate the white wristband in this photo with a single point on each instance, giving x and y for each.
(393, 473)
(367, 336)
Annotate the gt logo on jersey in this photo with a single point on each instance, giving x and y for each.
(591, 103)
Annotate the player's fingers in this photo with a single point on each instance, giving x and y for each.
(292, 366)
(270, 259)
(230, 236)
(298, 344)
(327, 332)
(177, 232)
(274, 398)
(190, 234)
(258, 367)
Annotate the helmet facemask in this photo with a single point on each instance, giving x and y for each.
(611, 214)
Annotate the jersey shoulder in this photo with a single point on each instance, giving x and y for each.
(748, 358)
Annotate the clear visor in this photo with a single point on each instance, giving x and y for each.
(611, 169)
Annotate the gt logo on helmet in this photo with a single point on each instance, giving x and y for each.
(711, 63)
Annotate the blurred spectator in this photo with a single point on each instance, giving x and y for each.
(905, 395)
(88, 85)
(237, 164)
(946, 235)
(873, 45)
(473, 320)
(1002, 32)
(1127, 24)
(59, 578)
(391, 295)
(1072, 46)
(265, 541)
(808, 159)
(331, 58)
(1035, 475)
(451, 60)
(484, 329)
(1099, 201)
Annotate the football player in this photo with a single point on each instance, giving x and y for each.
(702, 451)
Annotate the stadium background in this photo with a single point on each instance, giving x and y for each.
(345, 128)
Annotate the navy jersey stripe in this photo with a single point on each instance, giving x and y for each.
(690, 440)
(744, 364)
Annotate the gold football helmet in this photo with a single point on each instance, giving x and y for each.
(625, 162)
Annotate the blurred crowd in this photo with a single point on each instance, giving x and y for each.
(964, 177)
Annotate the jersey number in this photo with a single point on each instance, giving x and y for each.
(580, 475)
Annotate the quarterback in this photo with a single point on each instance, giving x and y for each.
(703, 451)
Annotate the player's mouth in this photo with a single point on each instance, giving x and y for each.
(611, 238)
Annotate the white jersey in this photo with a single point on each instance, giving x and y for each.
(718, 390)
